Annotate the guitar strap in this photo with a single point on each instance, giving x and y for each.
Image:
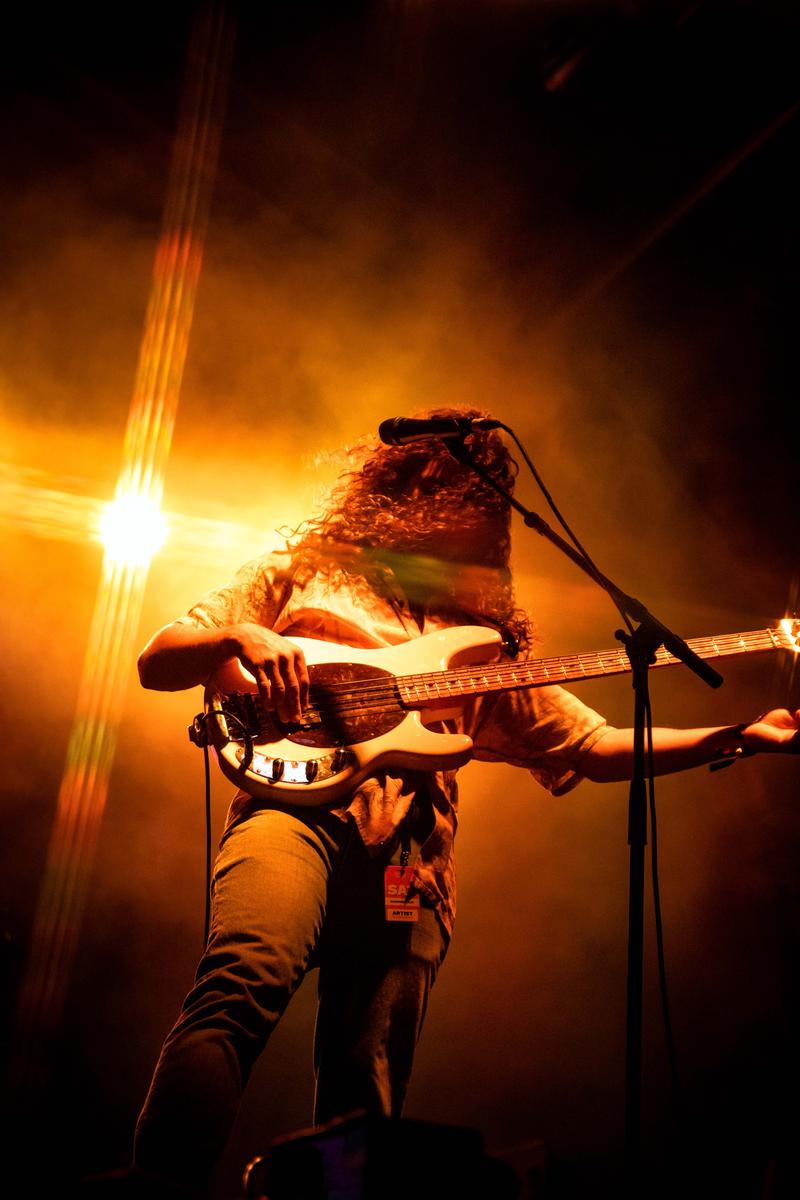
(510, 642)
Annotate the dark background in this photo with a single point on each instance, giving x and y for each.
(581, 217)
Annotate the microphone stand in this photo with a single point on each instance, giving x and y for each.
(640, 645)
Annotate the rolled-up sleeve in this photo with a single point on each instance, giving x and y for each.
(547, 730)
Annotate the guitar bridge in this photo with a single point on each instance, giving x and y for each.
(242, 715)
(247, 719)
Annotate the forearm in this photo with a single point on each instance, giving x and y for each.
(611, 758)
(182, 656)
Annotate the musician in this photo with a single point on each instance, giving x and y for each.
(410, 542)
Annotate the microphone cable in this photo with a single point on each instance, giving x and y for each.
(671, 1050)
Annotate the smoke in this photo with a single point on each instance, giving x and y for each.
(398, 219)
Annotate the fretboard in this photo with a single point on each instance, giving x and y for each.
(416, 690)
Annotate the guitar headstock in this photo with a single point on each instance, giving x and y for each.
(788, 633)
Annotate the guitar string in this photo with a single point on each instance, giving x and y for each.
(531, 672)
(614, 660)
(381, 695)
(537, 670)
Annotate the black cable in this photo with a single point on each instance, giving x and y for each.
(672, 1056)
(246, 738)
(550, 501)
(565, 526)
(248, 741)
(207, 921)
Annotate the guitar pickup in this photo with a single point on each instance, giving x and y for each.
(309, 720)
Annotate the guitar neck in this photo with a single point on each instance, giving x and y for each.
(429, 687)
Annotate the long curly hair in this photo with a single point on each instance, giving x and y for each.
(414, 516)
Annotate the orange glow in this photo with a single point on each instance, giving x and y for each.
(132, 529)
(136, 510)
(36, 502)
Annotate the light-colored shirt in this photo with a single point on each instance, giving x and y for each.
(546, 730)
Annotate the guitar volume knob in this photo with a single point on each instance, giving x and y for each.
(338, 761)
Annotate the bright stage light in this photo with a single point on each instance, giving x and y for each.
(132, 529)
(791, 627)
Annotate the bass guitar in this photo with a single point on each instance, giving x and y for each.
(370, 709)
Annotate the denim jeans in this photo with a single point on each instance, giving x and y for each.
(292, 889)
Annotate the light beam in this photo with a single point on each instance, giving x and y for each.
(148, 437)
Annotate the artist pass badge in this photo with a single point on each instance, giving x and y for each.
(399, 905)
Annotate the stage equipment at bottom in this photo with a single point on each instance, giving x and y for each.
(361, 1157)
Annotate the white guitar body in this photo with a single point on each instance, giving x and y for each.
(328, 755)
(370, 709)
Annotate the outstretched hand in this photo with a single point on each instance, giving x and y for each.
(774, 732)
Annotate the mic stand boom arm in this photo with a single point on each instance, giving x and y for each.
(640, 644)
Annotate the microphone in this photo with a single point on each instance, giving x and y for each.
(400, 431)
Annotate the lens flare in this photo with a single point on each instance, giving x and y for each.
(132, 529)
(791, 628)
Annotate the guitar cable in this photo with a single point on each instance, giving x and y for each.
(555, 509)
(198, 735)
(207, 918)
(672, 1054)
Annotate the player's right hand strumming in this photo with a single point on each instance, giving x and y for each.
(277, 666)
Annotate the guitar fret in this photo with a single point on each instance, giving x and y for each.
(462, 681)
(329, 768)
